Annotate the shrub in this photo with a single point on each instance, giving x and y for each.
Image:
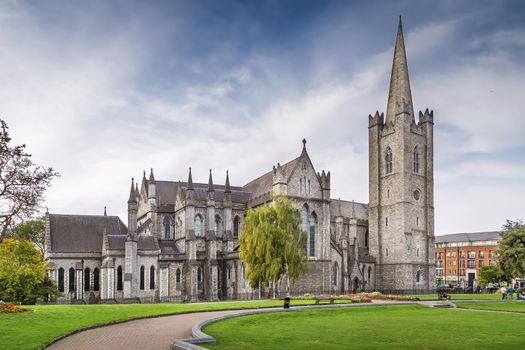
(9, 308)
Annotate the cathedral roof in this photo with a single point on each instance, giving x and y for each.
(263, 184)
(166, 191)
(82, 233)
(349, 209)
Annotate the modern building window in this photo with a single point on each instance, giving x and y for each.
(481, 254)
(471, 264)
(418, 276)
(87, 279)
(142, 277)
(119, 278)
(388, 160)
(72, 279)
(471, 255)
(167, 227)
(480, 263)
(416, 160)
(96, 279)
(152, 277)
(198, 226)
(313, 232)
(61, 280)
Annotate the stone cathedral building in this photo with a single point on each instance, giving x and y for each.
(181, 236)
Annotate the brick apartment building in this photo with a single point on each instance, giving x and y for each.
(459, 256)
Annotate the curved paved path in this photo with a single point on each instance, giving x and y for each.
(151, 333)
(145, 334)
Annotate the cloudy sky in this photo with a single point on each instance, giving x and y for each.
(101, 90)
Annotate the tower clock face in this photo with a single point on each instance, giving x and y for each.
(417, 195)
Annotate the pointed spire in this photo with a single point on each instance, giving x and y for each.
(399, 95)
(132, 194)
(137, 189)
(151, 177)
(143, 174)
(227, 188)
(105, 212)
(190, 180)
(210, 183)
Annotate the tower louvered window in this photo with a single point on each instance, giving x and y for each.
(416, 160)
(388, 160)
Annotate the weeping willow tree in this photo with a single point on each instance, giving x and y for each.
(272, 244)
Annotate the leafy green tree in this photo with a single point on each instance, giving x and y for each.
(33, 231)
(272, 244)
(490, 274)
(22, 183)
(512, 249)
(23, 272)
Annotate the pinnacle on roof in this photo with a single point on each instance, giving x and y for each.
(210, 183)
(132, 195)
(304, 145)
(227, 188)
(151, 177)
(190, 180)
(399, 93)
(105, 212)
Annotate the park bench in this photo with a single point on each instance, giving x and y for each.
(319, 299)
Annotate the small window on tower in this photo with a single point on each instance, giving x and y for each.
(416, 160)
(386, 221)
(386, 252)
(388, 160)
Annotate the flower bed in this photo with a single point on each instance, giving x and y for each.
(8, 308)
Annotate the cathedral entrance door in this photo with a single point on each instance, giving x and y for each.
(355, 285)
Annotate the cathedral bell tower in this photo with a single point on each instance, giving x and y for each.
(401, 186)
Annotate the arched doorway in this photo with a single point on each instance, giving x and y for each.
(355, 285)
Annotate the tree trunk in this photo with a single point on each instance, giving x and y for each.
(287, 282)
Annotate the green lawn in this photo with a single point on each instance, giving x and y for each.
(32, 330)
(501, 306)
(378, 327)
(462, 296)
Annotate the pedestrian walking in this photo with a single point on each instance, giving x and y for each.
(503, 293)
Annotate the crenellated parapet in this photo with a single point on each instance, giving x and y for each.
(377, 119)
(426, 117)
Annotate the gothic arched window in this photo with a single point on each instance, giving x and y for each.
(366, 238)
(236, 226)
(336, 273)
(87, 279)
(142, 277)
(177, 279)
(304, 219)
(167, 227)
(96, 279)
(369, 273)
(61, 280)
(71, 279)
(198, 226)
(388, 160)
(119, 278)
(152, 277)
(313, 232)
(217, 227)
(416, 160)
(418, 276)
(199, 278)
